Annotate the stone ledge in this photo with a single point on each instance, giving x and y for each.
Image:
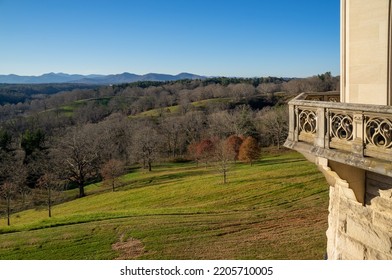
(300, 100)
(379, 166)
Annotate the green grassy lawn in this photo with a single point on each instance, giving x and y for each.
(275, 209)
(159, 111)
(68, 110)
(212, 101)
(175, 109)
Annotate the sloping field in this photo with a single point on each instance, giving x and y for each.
(275, 209)
(175, 109)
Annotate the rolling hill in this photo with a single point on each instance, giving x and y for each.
(181, 211)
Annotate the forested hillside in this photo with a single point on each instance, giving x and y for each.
(55, 140)
(20, 93)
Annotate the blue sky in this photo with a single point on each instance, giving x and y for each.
(245, 38)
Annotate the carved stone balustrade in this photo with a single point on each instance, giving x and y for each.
(359, 135)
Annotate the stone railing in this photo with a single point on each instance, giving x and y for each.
(354, 134)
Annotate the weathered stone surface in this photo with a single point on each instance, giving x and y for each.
(357, 210)
(372, 254)
(367, 234)
(352, 249)
(357, 231)
(382, 204)
(348, 193)
(332, 222)
(386, 194)
(383, 220)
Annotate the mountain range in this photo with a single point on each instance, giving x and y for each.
(94, 79)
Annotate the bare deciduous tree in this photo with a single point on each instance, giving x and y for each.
(193, 124)
(146, 144)
(171, 129)
(244, 121)
(12, 177)
(8, 192)
(51, 185)
(241, 90)
(222, 124)
(273, 123)
(115, 137)
(110, 172)
(223, 156)
(78, 153)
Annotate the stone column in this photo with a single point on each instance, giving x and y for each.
(292, 118)
(358, 134)
(319, 141)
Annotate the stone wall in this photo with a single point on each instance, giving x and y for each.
(359, 231)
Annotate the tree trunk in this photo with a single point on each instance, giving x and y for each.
(49, 203)
(224, 176)
(113, 184)
(81, 190)
(149, 166)
(23, 198)
(8, 210)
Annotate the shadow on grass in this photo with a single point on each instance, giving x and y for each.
(266, 162)
(159, 179)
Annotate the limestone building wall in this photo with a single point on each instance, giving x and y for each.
(360, 206)
(365, 51)
(359, 230)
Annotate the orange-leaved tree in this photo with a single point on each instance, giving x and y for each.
(249, 150)
(204, 150)
(233, 144)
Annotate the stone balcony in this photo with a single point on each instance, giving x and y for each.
(358, 135)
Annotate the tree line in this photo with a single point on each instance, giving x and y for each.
(19, 93)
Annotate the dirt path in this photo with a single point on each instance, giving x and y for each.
(129, 249)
